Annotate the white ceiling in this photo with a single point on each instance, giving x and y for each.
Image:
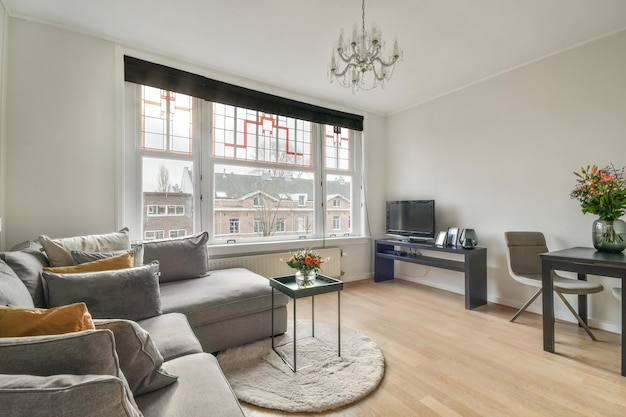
(448, 44)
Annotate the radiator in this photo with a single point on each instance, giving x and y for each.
(274, 264)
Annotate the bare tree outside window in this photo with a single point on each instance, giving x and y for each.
(164, 179)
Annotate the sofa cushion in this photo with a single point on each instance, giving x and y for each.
(121, 261)
(179, 258)
(131, 293)
(19, 321)
(139, 357)
(201, 390)
(28, 266)
(86, 352)
(226, 293)
(13, 292)
(172, 335)
(59, 250)
(81, 353)
(69, 395)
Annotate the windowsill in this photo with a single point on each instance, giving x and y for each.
(226, 250)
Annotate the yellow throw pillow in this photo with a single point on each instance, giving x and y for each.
(123, 261)
(18, 321)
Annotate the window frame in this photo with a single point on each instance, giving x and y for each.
(204, 162)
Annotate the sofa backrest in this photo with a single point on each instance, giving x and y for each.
(13, 292)
(28, 265)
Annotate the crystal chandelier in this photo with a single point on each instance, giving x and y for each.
(364, 67)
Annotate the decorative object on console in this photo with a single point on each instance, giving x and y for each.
(603, 192)
(364, 67)
(452, 236)
(306, 263)
(468, 238)
(441, 238)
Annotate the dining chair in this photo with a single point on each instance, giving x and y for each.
(617, 293)
(523, 249)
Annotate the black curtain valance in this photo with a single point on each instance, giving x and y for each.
(160, 76)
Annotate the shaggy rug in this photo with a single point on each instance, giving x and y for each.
(260, 377)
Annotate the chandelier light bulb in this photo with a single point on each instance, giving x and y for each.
(359, 65)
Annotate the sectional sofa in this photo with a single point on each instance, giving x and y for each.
(143, 329)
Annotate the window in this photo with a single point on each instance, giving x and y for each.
(165, 210)
(241, 174)
(258, 225)
(280, 224)
(178, 233)
(336, 223)
(154, 234)
(233, 226)
(301, 224)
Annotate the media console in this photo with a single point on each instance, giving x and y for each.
(474, 265)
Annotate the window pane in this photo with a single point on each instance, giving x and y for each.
(168, 196)
(338, 204)
(336, 148)
(265, 201)
(166, 120)
(261, 137)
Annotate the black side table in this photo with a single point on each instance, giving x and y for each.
(322, 284)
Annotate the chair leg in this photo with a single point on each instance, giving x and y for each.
(580, 320)
(525, 306)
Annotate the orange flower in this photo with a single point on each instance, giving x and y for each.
(308, 260)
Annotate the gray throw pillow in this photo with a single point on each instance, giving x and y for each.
(27, 266)
(74, 395)
(13, 292)
(131, 293)
(58, 250)
(81, 257)
(179, 258)
(140, 360)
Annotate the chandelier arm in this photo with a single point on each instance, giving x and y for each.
(347, 58)
(393, 60)
(345, 70)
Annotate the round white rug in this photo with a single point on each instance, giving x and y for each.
(260, 377)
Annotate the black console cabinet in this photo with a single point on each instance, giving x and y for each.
(474, 265)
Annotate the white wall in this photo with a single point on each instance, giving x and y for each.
(500, 154)
(3, 42)
(60, 133)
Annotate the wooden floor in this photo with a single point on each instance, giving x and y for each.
(443, 360)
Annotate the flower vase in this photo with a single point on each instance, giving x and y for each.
(609, 235)
(305, 278)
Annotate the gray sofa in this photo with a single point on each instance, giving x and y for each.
(195, 316)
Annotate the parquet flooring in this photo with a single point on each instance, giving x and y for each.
(443, 360)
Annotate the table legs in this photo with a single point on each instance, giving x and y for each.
(623, 326)
(582, 302)
(547, 298)
(294, 368)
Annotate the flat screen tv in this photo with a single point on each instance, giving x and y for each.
(413, 219)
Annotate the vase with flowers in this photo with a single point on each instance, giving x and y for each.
(306, 263)
(603, 192)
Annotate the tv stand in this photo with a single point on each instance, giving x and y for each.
(474, 265)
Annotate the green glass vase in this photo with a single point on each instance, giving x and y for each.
(609, 235)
